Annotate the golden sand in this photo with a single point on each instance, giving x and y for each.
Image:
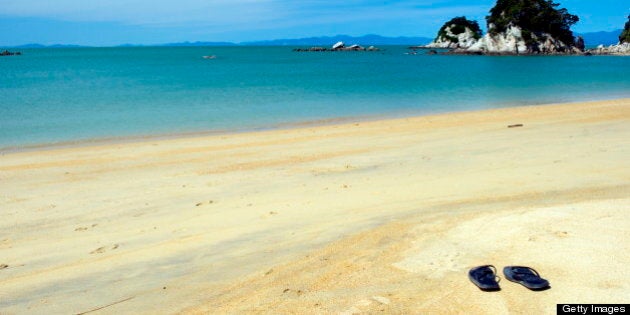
(381, 216)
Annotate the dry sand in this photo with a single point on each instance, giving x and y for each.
(369, 217)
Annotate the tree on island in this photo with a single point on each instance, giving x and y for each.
(456, 26)
(625, 34)
(532, 17)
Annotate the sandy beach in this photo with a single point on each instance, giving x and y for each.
(383, 216)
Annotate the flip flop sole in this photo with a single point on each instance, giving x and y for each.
(483, 286)
(543, 284)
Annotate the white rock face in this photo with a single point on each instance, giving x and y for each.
(511, 42)
(619, 49)
(464, 40)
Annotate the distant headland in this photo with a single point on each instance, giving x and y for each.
(522, 27)
(307, 41)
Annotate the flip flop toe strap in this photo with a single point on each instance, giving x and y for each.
(487, 274)
(526, 274)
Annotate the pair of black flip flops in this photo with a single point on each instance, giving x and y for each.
(485, 277)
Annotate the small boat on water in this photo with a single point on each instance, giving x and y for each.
(210, 57)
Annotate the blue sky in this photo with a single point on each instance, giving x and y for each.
(113, 22)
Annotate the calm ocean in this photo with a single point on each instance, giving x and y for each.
(58, 95)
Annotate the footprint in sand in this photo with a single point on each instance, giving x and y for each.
(98, 250)
(103, 249)
(209, 202)
(297, 292)
(83, 228)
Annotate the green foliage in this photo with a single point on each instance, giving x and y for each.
(527, 36)
(625, 35)
(458, 26)
(533, 16)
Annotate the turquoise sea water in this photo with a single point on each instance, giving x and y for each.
(58, 95)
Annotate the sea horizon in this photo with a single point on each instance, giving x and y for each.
(592, 39)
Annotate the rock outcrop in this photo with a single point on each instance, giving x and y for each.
(522, 27)
(459, 32)
(513, 41)
(339, 46)
(622, 48)
(8, 53)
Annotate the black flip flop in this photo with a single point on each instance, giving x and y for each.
(526, 276)
(485, 277)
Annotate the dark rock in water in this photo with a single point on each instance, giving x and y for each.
(340, 46)
(474, 53)
(8, 53)
(432, 52)
(309, 49)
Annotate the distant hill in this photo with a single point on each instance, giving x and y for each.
(197, 44)
(48, 46)
(591, 39)
(370, 39)
(603, 38)
(326, 41)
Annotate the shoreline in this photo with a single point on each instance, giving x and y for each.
(378, 216)
(117, 140)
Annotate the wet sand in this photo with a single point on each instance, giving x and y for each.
(380, 216)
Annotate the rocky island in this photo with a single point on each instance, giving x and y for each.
(514, 28)
(339, 46)
(8, 53)
(459, 32)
